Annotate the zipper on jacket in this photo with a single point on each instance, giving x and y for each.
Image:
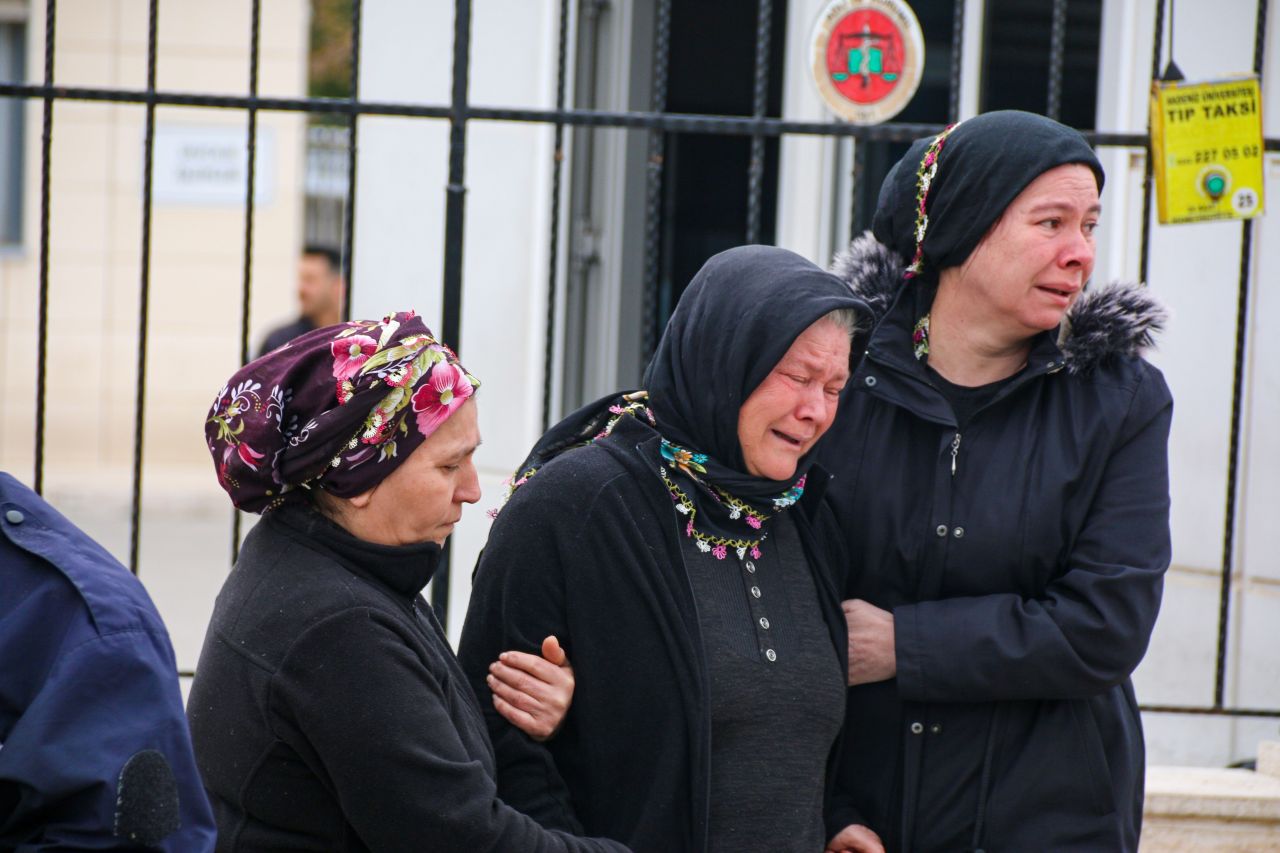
(955, 451)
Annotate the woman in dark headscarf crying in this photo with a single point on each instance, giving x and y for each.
(1002, 491)
(674, 539)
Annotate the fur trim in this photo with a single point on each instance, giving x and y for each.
(1116, 320)
(873, 271)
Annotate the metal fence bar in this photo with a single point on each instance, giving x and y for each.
(349, 206)
(670, 122)
(1237, 402)
(251, 147)
(1144, 252)
(455, 210)
(46, 150)
(857, 214)
(553, 260)
(759, 104)
(1057, 48)
(653, 180)
(144, 291)
(957, 46)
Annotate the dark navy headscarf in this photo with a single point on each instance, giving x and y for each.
(733, 324)
(982, 165)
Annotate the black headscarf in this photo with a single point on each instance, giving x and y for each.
(983, 164)
(733, 324)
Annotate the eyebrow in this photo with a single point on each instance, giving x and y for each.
(812, 365)
(463, 452)
(1050, 206)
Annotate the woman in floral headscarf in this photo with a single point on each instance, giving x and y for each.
(672, 558)
(328, 712)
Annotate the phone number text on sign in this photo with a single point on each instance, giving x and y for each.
(1207, 150)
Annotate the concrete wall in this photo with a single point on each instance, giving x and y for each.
(1195, 269)
(403, 170)
(196, 275)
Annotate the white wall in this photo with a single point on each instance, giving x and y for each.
(399, 227)
(1195, 270)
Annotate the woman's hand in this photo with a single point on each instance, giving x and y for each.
(871, 651)
(533, 693)
(855, 838)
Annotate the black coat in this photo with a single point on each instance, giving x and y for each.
(328, 712)
(1024, 584)
(589, 550)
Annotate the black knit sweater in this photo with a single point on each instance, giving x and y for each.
(328, 712)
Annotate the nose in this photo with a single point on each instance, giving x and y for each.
(1078, 252)
(811, 405)
(468, 490)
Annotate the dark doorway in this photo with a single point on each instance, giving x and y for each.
(704, 185)
(1015, 73)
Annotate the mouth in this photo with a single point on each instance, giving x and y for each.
(1058, 292)
(788, 439)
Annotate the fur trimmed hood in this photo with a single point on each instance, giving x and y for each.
(1116, 320)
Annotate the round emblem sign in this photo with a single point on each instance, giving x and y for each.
(867, 58)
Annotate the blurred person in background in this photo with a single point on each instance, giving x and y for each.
(328, 711)
(1001, 480)
(321, 291)
(94, 748)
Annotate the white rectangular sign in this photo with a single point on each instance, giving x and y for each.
(207, 165)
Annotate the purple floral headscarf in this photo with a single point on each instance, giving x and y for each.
(339, 408)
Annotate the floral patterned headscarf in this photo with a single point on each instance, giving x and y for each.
(338, 408)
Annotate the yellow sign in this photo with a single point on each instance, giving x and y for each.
(1206, 145)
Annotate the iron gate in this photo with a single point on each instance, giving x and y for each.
(659, 125)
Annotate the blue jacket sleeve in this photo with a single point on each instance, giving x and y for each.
(1090, 628)
(101, 757)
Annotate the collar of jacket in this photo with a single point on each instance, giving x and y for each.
(1107, 323)
(405, 569)
(891, 355)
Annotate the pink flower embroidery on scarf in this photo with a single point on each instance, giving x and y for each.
(349, 353)
(444, 391)
(248, 455)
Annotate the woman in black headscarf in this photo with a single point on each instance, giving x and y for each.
(1002, 486)
(656, 531)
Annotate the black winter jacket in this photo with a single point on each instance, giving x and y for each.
(589, 550)
(328, 712)
(1023, 561)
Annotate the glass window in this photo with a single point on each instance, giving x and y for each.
(13, 37)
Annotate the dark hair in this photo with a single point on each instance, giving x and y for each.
(330, 254)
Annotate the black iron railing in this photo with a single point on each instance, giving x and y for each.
(658, 124)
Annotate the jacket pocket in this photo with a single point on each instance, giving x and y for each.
(1094, 757)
